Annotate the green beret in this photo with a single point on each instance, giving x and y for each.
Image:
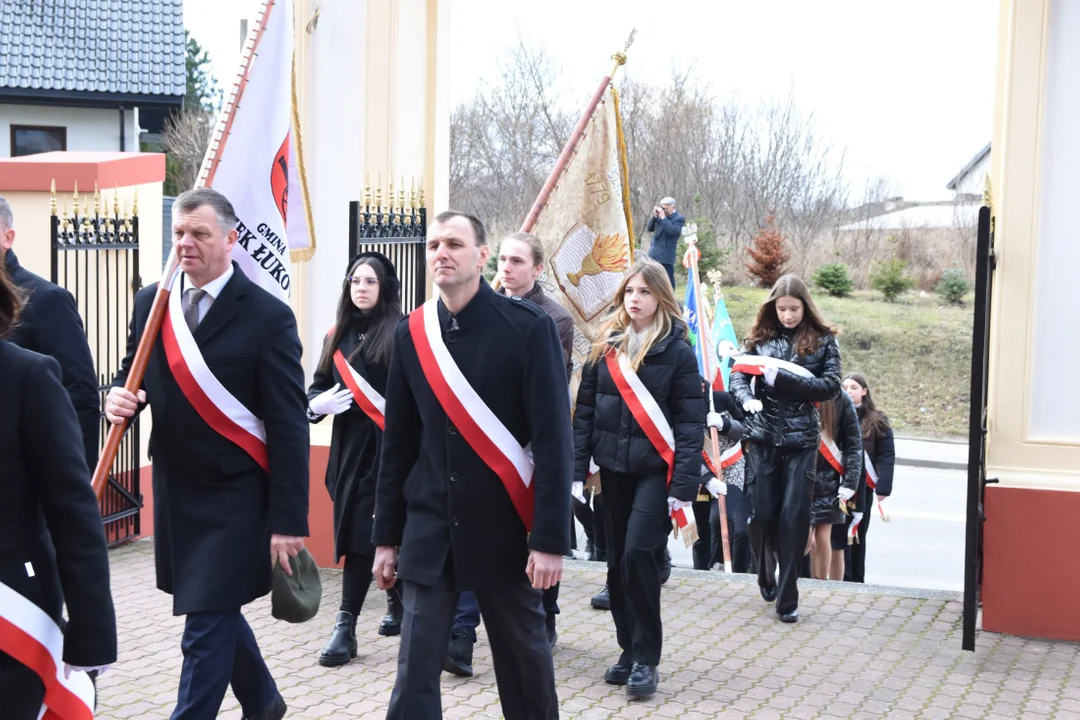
(296, 599)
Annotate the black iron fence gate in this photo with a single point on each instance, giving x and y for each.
(95, 256)
(977, 480)
(399, 234)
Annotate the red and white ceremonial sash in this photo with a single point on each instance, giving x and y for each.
(484, 432)
(831, 453)
(871, 474)
(727, 458)
(853, 528)
(367, 398)
(756, 364)
(34, 639)
(215, 404)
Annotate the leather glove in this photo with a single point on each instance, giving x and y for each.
(845, 494)
(769, 373)
(718, 421)
(716, 487)
(331, 402)
(752, 406)
(100, 669)
(577, 489)
(673, 505)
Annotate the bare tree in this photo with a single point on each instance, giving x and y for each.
(186, 138)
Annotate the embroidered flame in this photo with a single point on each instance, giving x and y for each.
(609, 254)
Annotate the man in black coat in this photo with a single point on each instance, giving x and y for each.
(442, 504)
(50, 325)
(220, 518)
(52, 549)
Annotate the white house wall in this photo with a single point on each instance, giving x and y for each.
(88, 129)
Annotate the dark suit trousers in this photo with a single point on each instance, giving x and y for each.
(855, 554)
(637, 530)
(514, 619)
(738, 512)
(780, 485)
(220, 650)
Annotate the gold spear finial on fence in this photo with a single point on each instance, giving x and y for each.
(390, 192)
(75, 199)
(378, 190)
(116, 201)
(52, 198)
(135, 203)
(367, 188)
(412, 192)
(401, 194)
(421, 191)
(97, 200)
(64, 216)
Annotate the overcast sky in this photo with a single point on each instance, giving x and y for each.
(905, 86)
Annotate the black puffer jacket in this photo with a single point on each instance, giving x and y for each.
(789, 419)
(848, 437)
(605, 430)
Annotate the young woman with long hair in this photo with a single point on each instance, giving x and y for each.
(640, 395)
(878, 447)
(358, 346)
(783, 430)
(841, 446)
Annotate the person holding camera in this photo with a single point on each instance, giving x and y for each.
(666, 225)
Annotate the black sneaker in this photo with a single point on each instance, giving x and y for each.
(459, 651)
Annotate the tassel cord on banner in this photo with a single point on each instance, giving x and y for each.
(624, 168)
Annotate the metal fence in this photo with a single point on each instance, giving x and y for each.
(95, 256)
(399, 233)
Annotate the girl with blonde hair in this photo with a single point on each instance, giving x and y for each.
(641, 418)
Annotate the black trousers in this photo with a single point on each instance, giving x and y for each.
(600, 526)
(637, 530)
(738, 514)
(514, 619)
(780, 484)
(355, 581)
(855, 554)
(704, 550)
(584, 515)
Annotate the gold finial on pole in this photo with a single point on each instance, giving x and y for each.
(97, 200)
(52, 198)
(620, 56)
(367, 188)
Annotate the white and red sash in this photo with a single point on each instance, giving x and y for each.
(214, 403)
(367, 398)
(756, 364)
(727, 458)
(34, 639)
(482, 430)
(853, 528)
(831, 453)
(871, 473)
(650, 417)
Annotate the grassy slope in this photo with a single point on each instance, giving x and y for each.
(916, 354)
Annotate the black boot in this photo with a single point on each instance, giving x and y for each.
(590, 549)
(643, 681)
(391, 623)
(276, 711)
(602, 600)
(342, 646)
(459, 652)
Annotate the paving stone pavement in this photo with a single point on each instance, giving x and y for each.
(857, 652)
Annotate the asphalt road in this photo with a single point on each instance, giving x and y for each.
(921, 546)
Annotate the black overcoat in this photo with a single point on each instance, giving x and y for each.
(435, 495)
(353, 466)
(49, 516)
(214, 506)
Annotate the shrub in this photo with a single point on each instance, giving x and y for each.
(891, 279)
(833, 278)
(953, 287)
(768, 255)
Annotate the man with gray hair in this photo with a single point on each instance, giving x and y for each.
(666, 225)
(230, 449)
(50, 325)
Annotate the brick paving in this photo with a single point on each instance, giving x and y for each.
(857, 652)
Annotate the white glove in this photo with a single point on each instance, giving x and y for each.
(577, 489)
(752, 406)
(715, 420)
(68, 669)
(769, 373)
(845, 494)
(332, 402)
(673, 505)
(716, 487)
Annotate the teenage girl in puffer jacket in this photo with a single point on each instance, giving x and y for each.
(783, 431)
(644, 345)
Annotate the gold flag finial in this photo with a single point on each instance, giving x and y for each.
(620, 56)
(52, 197)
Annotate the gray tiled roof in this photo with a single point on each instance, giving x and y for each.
(98, 46)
